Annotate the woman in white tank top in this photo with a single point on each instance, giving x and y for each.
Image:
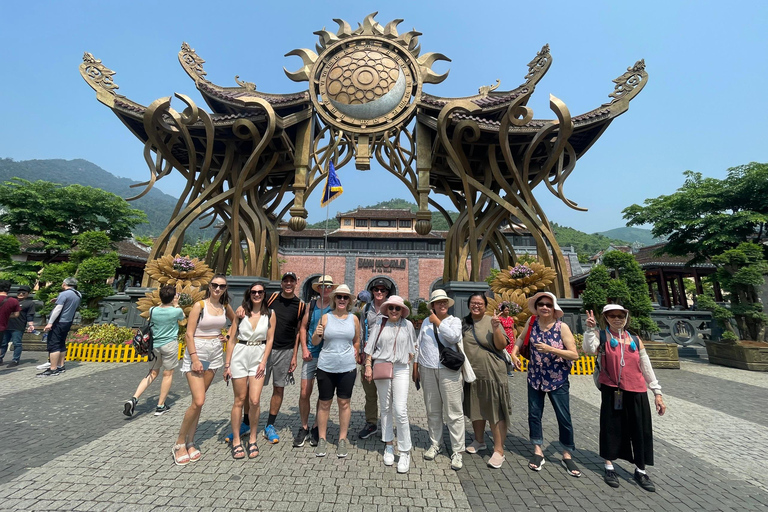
(246, 363)
(202, 357)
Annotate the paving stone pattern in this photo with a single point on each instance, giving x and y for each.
(67, 446)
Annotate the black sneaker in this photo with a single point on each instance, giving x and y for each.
(47, 373)
(129, 407)
(314, 436)
(368, 430)
(61, 369)
(161, 409)
(12, 364)
(57, 371)
(644, 481)
(301, 436)
(611, 478)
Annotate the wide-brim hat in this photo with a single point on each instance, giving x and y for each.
(532, 303)
(326, 281)
(396, 300)
(614, 307)
(441, 295)
(341, 289)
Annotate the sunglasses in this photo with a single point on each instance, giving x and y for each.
(616, 316)
(217, 286)
(394, 308)
(380, 290)
(342, 297)
(544, 305)
(257, 292)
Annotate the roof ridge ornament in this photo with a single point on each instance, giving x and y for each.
(99, 77)
(539, 66)
(485, 89)
(248, 86)
(192, 63)
(630, 83)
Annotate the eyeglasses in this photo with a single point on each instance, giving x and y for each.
(380, 290)
(616, 316)
(544, 305)
(257, 292)
(217, 286)
(342, 297)
(476, 304)
(394, 308)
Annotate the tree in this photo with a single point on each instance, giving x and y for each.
(707, 216)
(54, 214)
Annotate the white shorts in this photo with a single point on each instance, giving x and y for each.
(246, 359)
(166, 357)
(209, 352)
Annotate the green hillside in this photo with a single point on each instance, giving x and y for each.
(632, 235)
(438, 221)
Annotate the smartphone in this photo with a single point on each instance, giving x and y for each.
(205, 364)
(418, 384)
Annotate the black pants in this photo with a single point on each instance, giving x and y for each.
(627, 433)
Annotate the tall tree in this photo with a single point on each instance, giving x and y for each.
(54, 214)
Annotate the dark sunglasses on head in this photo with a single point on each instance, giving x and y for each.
(342, 297)
(394, 308)
(257, 292)
(217, 286)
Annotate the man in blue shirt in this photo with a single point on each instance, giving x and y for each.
(59, 324)
(318, 306)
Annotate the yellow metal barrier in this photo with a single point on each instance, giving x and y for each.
(585, 365)
(105, 353)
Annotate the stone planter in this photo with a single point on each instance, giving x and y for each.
(662, 355)
(747, 355)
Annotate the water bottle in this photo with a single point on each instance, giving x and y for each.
(45, 337)
(35, 332)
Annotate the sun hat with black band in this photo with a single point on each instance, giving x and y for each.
(532, 303)
(325, 281)
(440, 295)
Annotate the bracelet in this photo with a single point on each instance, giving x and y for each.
(227, 366)
(192, 353)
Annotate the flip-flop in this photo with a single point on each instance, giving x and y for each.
(253, 450)
(572, 468)
(237, 452)
(536, 462)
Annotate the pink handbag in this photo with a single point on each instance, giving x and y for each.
(383, 370)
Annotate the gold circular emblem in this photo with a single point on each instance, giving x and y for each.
(366, 85)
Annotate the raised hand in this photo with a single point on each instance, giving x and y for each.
(591, 323)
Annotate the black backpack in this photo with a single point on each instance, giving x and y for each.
(142, 340)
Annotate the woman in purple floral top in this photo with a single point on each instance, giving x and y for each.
(552, 350)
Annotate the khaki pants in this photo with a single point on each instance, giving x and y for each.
(443, 397)
(371, 399)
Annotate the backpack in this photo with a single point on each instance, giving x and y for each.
(142, 340)
(601, 351)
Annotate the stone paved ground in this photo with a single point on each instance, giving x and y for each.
(67, 446)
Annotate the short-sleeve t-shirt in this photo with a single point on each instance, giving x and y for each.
(70, 299)
(165, 325)
(9, 306)
(27, 315)
(286, 326)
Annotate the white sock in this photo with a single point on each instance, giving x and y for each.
(609, 467)
(641, 471)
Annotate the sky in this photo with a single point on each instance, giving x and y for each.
(704, 107)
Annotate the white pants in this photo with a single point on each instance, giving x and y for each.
(444, 397)
(393, 404)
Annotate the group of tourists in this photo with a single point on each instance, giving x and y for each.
(461, 363)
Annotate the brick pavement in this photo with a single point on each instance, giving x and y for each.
(67, 446)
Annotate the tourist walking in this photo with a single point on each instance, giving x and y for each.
(245, 364)
(339, 333)
(552, 350)
(164, 322)
(487, 398)
(59, 324)
(626, 430)
(392, 344)
(17, 326)
(443, 387)
(381, 289)
(318, 307)
(202, 357)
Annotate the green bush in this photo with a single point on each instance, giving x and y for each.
(104, 334)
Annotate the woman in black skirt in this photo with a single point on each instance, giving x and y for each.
(625, 376)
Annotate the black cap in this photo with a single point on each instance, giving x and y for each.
(382, 282)
(289, 274)
(25, 288)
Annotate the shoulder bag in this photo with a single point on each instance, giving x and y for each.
(451, 359)
(142, 340)
(383, 370)
(525, 350)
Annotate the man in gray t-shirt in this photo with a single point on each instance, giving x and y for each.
(59, 324)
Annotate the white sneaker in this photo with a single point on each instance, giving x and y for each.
(44, 366)
(456, 461)
(404, 463)
(389, 455)
(432, 452)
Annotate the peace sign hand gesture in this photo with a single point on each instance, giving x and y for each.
(591, 323)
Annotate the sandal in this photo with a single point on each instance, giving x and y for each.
(253, 450)
(194, 453)
(536, 462)
(179, 461)
(237, 452)
(571, 467)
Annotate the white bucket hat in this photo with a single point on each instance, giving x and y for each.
(532, 303)
(441, 295)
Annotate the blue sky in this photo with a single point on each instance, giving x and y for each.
(704, 107)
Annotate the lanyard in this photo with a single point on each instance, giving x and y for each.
(621, 361)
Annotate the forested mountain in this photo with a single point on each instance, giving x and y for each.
(632, 235)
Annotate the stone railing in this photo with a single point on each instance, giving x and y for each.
(683, 327)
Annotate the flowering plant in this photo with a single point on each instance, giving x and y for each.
(520, 271)
(514, 307)
(183, 264)
(185, 300)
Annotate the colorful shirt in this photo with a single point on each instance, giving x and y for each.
(547, 372)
